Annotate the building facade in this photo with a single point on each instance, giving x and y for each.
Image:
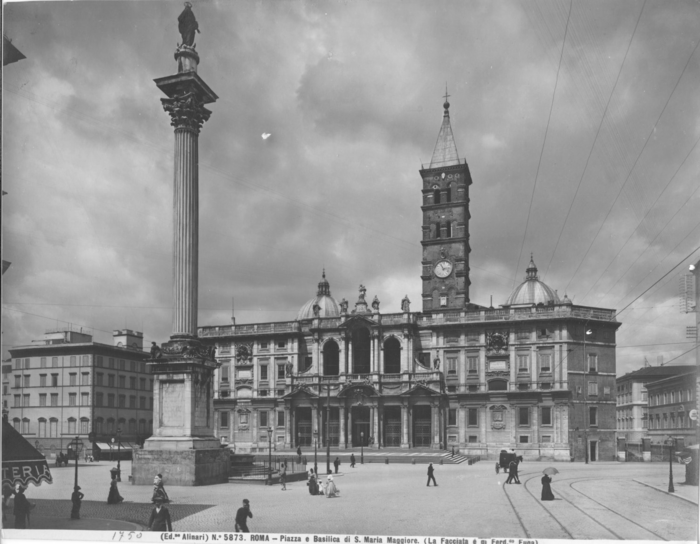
(66, 385)
(536, 374)
(670, 403)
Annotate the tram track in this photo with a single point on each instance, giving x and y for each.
(570, 482)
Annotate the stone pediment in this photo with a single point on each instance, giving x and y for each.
(421, 390)
(357, 321)
(301, 391)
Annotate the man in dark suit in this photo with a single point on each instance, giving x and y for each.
(431, 475)
(242, 517)
(160, 518)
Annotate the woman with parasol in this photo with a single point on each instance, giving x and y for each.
(547, 494)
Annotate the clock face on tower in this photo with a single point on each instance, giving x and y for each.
(443, 269)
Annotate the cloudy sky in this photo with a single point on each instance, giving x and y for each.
(580, 124)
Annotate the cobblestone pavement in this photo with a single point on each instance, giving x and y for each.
(596, 501)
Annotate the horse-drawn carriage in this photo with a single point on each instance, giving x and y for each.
(61, 459)
(504, 460)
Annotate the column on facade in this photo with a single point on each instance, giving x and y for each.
(375, 423)
(342, 368)
(535, 424)
(288, 441)
(404, 353)
(231, 426)
(317, 356)
(314, 418)
(434, 409)
(348, 364)
(513, 385)
(341, 415)
(373, 352)
(404, 426)
(482, 369)
(514, 422)
(461, 424)
(350, 425)
(254, 435)
(483, 422)
(556, 370)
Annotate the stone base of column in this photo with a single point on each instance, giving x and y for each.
(186, 467)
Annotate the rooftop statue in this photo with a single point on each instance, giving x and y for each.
(187, 25)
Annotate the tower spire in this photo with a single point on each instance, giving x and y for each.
(445, 153)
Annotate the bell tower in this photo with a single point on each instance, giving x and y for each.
(445, 264)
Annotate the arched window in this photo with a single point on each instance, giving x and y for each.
(436, 196)
(361, 349)
(448, 230)
(110, 426)
(121, 424)
(142, 426)
(53, 427)
(448, 194)
(84, 425)
(42, 427)
(25, 425)
(132, 426)
(17, 424)
(331, 360)
(98, 425)
(71, 425)
(392, 356)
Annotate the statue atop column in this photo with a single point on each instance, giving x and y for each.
(187, 25)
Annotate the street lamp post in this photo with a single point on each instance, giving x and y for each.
(328, 429)
(316, 454)
(362, 447)
(76, 446)
(672, 447)
(269, 455)
(118, 440)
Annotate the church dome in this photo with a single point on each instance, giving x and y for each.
(328, 306)
(532, 291)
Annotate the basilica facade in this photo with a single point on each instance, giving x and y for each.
(536, 374)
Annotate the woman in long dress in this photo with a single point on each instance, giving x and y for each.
(114, 497)
(546, 489)
(331, 489)
(158, 490)
(313, 486)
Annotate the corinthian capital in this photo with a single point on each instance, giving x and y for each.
(186, 112)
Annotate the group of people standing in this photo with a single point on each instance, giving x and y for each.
(22, 506)
(317, 486)
(513, 478)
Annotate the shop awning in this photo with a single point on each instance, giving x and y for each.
(21, 462)
(104, 446)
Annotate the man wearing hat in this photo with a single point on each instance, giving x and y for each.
(242, 517)
(77, 499)
(160, 518)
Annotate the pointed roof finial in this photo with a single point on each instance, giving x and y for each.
(446, 105)
(531, 270)
(445, 152)
(324, 288)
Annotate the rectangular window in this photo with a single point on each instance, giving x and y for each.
(132, 366)
(110, 362)
(523, 416)
(593, 389)
(54, 362)
(25, 400)
(263, 419)
(85, 378)
(452, 365)
(18, 381)
(122, 364)
(122, 382)
(42, 362)
(522, 335)
(98, 360)
(26, 380)
(281, 344)
(524, 439)
(224, 373)
(593, 416)
(452, 416)
(110, 380)
(142, 403)
(225, 348)
(264, 345)
(473, 419)
(54, 380)
(72, 379)
(308, 361)
(122, 401)
(546, 415)
(473, 337)
(72, 399)
(84, 426)
(544, 332)
(592, 362)
(73, 361)
(263, 372)
(523, 362)
(18, 401)
(42, 380)
(98, 398)
(223, 420)
(132, 382)
(132, 401)
(42, 399)
(84, 399)
(545, 358)
(86, 360)
(280, 419)
(546, 439)
(110, 400)
(142, 384)
(98, 378)
(280, 372)
(71, 426)
(473, 364)
(473, 439)
(54, 399)
(262, 392)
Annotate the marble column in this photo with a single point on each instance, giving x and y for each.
(404, 426)
(288, 439)
(341, 415)
(375, 424)
(434, 408)
(462, 424)
(483, 422)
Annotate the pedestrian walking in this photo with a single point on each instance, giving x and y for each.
(160, 518)
(299, 452)
(114, 497)
(512, 468)
(518, 460)
(77, 500)
(431, 475)
(352, 460)
(283, 476)
(242, 517)
(547, 494)
(159, 490)
(336, 464)
(331, 489)
(22, 508)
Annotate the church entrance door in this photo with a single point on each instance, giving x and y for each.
(304, 427)
(392, 426)
(422, 426)
(360, 424)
